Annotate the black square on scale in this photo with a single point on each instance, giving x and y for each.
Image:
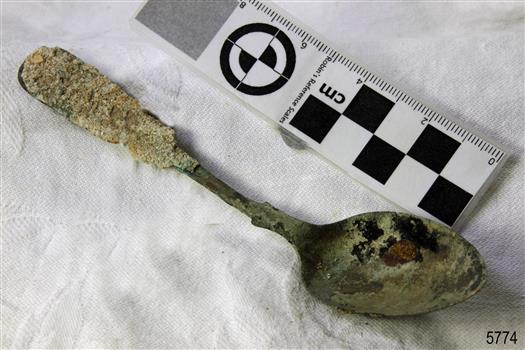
(433, 148)
(445, 200)
(378, 159)
(368, 108)
(315, 118)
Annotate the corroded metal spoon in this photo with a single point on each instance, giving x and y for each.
(382, 263)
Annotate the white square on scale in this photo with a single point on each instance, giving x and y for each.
(468, 168)
(400, 127)
(344, 142)
(409, 183)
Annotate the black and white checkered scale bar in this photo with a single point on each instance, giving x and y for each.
(420, 163)
(378, 134)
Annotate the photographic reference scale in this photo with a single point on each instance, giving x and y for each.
(277, 66)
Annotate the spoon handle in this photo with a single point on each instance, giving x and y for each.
(90, 100)
(262, 214)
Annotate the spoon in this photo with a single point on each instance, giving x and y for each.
(379, 263)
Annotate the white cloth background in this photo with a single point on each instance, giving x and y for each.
(100, 251)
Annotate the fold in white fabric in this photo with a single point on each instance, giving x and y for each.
(100, 251)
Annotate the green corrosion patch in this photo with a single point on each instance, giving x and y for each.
(89, 99)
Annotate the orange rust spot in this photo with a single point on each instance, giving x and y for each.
(399, 253)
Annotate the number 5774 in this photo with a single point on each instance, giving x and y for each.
(501, 337)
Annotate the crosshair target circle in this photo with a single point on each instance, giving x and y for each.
(257, 59)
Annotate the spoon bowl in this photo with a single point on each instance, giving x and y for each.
(381, 263)
(390, 264)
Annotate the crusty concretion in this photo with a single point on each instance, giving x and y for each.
(89, 99)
